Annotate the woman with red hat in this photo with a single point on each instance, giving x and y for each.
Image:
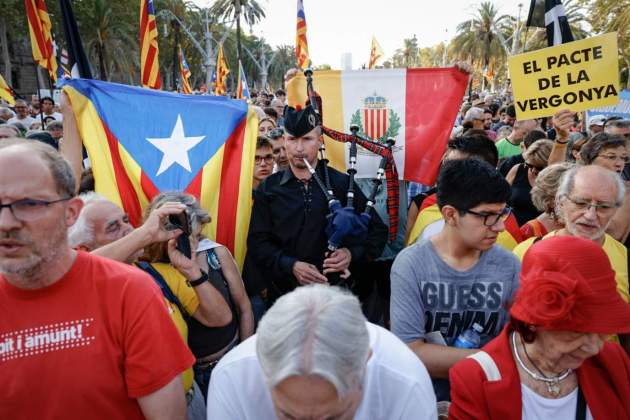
(552, 360)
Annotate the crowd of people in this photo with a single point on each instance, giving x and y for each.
(504, 295)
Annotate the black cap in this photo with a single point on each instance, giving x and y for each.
(299, 122)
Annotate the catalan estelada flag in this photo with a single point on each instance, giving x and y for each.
(141, 142)
(6, 92)
(41, 36)
(416, 107)
(242, 91)
(184, 72)
(430, 222)
(149, 62)
(220, 83)
(301, 45)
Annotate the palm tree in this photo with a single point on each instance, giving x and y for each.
(536, 38)
(250, 10)
(614, 16)
(107, 32)
(479, 40)
(408, 55)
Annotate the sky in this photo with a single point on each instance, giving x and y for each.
(335, 27)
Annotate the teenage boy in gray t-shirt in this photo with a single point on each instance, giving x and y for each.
(441, 286)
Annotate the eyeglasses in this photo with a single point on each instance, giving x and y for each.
(535, 169)
(613, 158)
(267, 158)
(29, 209)
(491, 219)
(585, 205)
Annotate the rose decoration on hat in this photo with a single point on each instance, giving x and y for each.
(550, 296)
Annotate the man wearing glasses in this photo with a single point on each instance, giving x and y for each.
(263, 161)
(21, 114)
(80, 336)
(442, 285)
(587, 199)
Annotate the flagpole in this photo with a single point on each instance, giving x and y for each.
(39, 96)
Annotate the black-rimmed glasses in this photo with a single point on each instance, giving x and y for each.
(491, 219)
(28, 209)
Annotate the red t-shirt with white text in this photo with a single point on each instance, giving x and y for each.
(86, 346)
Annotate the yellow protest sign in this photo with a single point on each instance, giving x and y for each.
(577, 75)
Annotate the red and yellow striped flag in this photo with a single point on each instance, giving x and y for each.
(376, 52)
(149, 62)
(301, 46)
(41, 36)
(220, 86)
(184, 73)
(6, 92)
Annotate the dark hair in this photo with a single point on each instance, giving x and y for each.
(467, 183)
(281, 92)
(87, 181)
(263, 142)
(47, 98)
(619, 123)
(270, 112)
(493, 107)
(598, 143)
(511, 110)
(523, 328)
(476, 146)
(44, 137)
(532, 136)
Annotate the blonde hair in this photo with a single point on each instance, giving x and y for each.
(197, 217)
(538, 153)
(547, 182)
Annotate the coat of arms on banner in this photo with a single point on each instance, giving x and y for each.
(376, 120)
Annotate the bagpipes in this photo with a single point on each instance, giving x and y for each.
(345, 221)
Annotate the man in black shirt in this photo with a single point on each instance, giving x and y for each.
(287, 240)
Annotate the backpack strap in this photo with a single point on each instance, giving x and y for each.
(166, 291)
(488, 365)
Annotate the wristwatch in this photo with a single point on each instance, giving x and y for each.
(201, 280)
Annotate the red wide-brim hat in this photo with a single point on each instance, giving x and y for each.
(568, 284)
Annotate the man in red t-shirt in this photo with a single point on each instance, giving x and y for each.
(80, 336)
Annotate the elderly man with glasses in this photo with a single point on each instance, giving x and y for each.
(587, 199)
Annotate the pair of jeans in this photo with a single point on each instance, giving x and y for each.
(259, 307)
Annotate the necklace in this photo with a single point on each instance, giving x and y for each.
(553, 382)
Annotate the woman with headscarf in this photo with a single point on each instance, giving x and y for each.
(552, 361)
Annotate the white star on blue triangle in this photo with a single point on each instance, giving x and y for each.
(175, 148)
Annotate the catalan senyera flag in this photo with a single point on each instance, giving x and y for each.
(149, 61)
(220, 84)
(141, 142)
(376, 52)
(184, 72)
(301, 45)
(242, 91)
(416, 107)
(430, 222)
(40, 30)
(6, 92)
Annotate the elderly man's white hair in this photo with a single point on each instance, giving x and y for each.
(314, 330)
(82, 231)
